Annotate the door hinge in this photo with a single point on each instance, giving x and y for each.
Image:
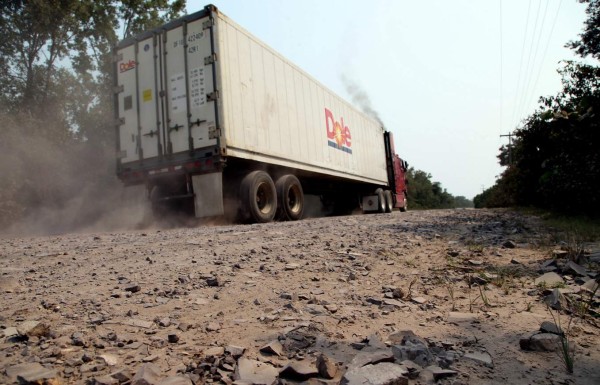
(118, 89)
(208, 23)
(210, 59)
(120, 121)
(212, 96)
(118, 57)
(213, 132)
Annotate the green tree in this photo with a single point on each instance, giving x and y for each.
(589, 42)
(556, 163)
(425, 194)
(57, 132)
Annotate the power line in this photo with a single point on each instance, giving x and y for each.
(514, 115)
(501, 70)
(527, 71)
(527, 93)
(547, 44)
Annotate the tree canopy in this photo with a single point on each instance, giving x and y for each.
(423, 193)
(57, 132)
(555, 158)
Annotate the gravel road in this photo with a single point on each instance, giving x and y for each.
(186, 302)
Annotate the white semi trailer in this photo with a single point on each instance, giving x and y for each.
(208, 116)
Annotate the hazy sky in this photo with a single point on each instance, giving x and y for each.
(447, 77)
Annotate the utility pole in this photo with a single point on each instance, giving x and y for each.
(510, 135)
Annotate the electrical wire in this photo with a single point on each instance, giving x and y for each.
(547, 44)
(514, 114)
(529, 93)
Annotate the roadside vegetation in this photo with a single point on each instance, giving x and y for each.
(554, 162)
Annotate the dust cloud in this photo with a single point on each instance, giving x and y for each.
(52, 183)
(361, 99)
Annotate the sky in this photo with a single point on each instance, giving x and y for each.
(446, 77)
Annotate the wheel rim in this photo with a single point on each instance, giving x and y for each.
(293, 199)
(264, 198)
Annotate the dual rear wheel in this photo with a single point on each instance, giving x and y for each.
(262, 200)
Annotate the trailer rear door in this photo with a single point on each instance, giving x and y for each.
(165, 91)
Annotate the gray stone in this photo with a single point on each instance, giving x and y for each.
(509, 244)
(273, 347)
(393, 302)
(577, 268)
(456, 317)
(416, 353)
(556, 300)
(291, 266)
(541, 342)
(105, 380)
(109, 359)
(371, 358)
(439, 373)
(559, 253)
(299, 370)
(10, 332)
(550, 279)
(138, 323)
(385, 373)
(215, 351)
(133, 288)
(327, 368)
(32, 373)
(255, 372)
(164, 322)
(374, 301)
(480, 357)
(591, 286)
(147, 374)
(413, 369)
(176, 380)
(550, 327)
(315, 309)
(235, 351)
(122, 375)
(33, 328)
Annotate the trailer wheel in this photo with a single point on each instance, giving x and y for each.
(290, 198)
(159, 207)
(380, 200)
(389, 202)
(258, 197)
(404, 208)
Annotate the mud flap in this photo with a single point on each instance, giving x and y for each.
(208, 195)
(370, 203)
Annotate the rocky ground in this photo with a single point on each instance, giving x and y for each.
(449, 296)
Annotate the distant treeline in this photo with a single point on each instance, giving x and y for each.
(425, 194)
(554, 161)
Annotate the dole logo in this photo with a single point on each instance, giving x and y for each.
(123, 67)
(338, 134)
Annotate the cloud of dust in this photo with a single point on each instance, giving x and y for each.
(53, 184)
(360, 98)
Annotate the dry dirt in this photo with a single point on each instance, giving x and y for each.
(112, 301)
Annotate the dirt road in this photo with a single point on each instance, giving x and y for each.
(187, 302)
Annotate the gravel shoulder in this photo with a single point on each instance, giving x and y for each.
(460, 280)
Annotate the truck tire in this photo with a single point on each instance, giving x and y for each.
(159, 207)
(404, 208)
(380, 200)
(389, 202)
(290, 198)
(258, 197)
